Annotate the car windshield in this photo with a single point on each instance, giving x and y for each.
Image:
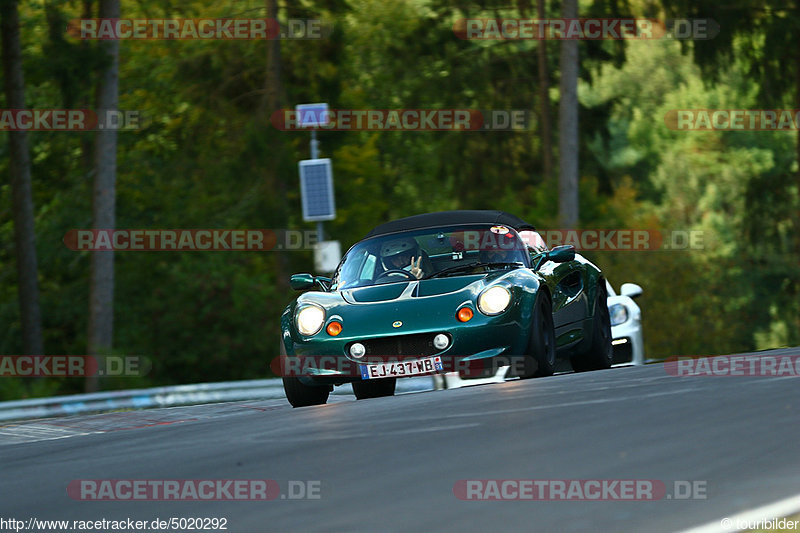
(429, 253)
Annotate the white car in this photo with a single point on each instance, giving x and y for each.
(626, 324)
(626, 332)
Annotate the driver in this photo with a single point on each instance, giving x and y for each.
(494, 253)
(403, 254)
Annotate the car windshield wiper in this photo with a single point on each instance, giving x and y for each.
(469, 266)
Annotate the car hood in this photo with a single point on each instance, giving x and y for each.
(414, 289)
(407, 306)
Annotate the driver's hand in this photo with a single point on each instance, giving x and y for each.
(416, 271)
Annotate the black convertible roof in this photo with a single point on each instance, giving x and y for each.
(451, 218)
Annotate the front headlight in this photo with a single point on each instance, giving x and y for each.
(309, 319)
(494, 300)
(618, 314)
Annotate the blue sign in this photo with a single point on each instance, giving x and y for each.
(312, 115)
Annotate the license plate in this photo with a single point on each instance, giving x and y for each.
(401, 368)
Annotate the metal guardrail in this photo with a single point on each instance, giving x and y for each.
(200, 393)
(173, 396)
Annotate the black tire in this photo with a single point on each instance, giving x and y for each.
(374, 388)
(540, 357)
(600, 354)
(301, 395)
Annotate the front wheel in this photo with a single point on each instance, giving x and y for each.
(298, 393)
(301, 395)
(600, 354)
(540, 357)
(374, 388)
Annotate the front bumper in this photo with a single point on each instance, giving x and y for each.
(475, 346)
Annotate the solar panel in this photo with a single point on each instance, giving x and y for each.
(316, 190)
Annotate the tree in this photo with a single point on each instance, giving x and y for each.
(20, 167)
(101, 284)
(769, 29)
(272, 100)
(568, 208)
(544, 102)
(543, 89)
(763, 35)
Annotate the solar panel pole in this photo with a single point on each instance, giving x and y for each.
(316, 182)
(314, 145)
(315, 155)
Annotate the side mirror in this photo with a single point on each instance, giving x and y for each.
(631, 290)
(304, 282)
(323, 282)
(301, 282)
(561, 254)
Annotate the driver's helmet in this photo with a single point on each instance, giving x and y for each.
(396, 254)
(494, 253)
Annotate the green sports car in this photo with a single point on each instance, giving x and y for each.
(451, 291)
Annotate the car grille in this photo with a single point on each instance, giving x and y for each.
(418, 344)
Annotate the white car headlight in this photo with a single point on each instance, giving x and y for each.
(494, 300)
(618, 314)
(309, 319)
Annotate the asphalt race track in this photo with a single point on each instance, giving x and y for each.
(390, 464)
